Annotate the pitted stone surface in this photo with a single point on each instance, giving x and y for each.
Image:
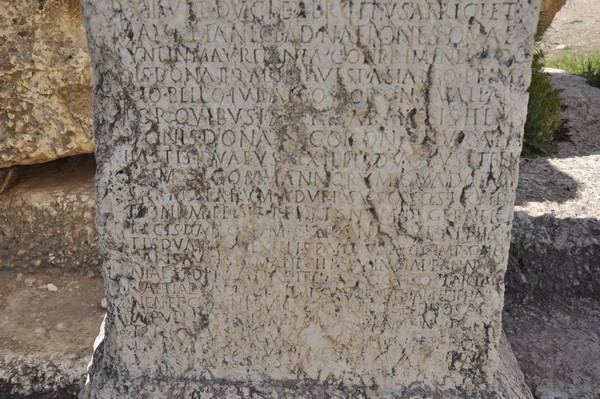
(47, 218)
(307, 199)
(45, 82)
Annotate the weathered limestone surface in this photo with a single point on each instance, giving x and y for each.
(45, 82)
(306, 200)
(47, 218)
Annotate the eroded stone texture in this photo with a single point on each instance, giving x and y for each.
(45, 82)
(308, 199)
(47, 218)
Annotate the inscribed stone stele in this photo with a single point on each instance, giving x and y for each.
(306, 198)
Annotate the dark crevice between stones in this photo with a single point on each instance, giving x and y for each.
(80, 167)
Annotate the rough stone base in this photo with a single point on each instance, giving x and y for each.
(271, 390)
(511, 385)
(47, 217)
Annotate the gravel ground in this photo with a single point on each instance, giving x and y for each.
(552, 313)
(575, 28)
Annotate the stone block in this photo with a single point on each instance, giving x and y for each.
(47, 218)
(45, 82)
(307, 199)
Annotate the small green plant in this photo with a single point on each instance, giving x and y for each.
(581, 64)
(543, 112)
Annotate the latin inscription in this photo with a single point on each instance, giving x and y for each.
(335, 178)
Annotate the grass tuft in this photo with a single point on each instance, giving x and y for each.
(543, 112)
(586, 65)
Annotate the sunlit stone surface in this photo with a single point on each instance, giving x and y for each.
(306, 199)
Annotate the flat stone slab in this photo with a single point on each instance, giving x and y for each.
(48, 323)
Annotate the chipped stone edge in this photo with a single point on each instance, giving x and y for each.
(510, 378)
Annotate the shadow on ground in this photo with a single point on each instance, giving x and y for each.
(552, 257)
(541, 181)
